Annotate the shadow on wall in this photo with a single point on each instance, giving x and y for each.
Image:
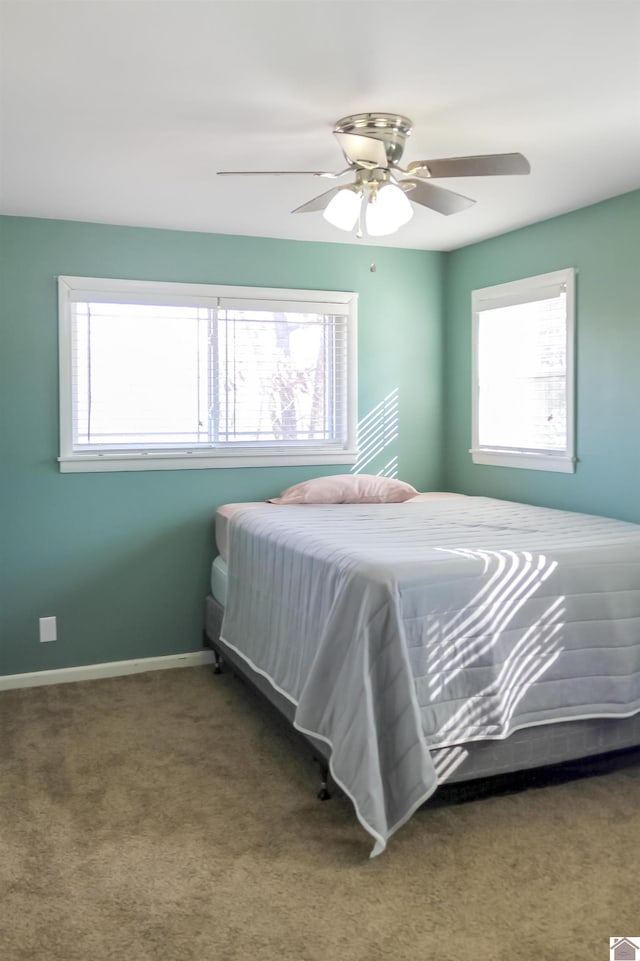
(377, 431)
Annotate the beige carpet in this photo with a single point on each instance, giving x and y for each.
(169, 816)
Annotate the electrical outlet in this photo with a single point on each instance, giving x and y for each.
(48, 629)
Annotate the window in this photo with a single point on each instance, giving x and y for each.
(164, 376)
(523, 349)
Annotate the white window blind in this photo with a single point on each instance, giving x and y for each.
(523, 373)
(176, 375)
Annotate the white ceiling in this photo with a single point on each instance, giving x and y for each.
(121, 112)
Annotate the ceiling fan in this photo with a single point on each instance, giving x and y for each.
(381, 191)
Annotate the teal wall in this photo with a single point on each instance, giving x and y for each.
(602, 243)
(122, 559)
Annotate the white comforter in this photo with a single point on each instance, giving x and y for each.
(398, 628)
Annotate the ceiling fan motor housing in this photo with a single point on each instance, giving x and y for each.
(390, 129)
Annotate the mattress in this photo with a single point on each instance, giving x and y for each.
(223, 517)
(226, 512)
(219, 576)
(397, 631)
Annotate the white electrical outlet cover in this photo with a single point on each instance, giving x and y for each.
(48, 629)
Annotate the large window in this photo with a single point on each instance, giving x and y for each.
(523, 360)
(164, 376)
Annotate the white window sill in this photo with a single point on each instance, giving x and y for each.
(82, 463)
(561, 463)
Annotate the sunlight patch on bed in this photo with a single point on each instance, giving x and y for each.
(513, 580)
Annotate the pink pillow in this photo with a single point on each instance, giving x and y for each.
(347, 489)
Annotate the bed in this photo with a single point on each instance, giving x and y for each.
(441, 639)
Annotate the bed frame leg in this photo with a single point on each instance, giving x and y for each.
(324, 793)
(217, 657)
(217, 662)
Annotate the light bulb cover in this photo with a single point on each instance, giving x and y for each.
(389, 210)
(343, 209)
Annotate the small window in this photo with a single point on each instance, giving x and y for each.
(523, 361)
(163, 376)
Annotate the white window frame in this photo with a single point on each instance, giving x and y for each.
(519, 292)
(73, 289)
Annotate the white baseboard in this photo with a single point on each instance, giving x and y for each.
(90, 672)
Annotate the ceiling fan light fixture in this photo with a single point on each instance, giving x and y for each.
(372, 145)
(388, 210)
(343, 209)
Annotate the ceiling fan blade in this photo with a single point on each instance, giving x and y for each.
(363, 151)
(436, 198)
(486, 165)
(318, 203)
(280, 173)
